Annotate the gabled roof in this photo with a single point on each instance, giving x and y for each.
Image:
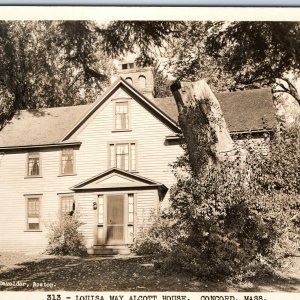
(41, 126)
(120, 82)
(243, 110)
(116, 179)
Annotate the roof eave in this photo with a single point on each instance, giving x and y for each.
(66, 144)
(131, 187)
(252, 131)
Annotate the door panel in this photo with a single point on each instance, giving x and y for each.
(115, 219)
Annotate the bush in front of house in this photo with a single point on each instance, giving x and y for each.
(64, 237)
(232, 221)
(154, 239)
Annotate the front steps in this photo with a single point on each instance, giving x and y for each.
(109, 250)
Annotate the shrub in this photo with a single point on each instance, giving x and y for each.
(64, 237)
(155, 238)
(231, 220)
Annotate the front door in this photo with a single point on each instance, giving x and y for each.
(115, 219)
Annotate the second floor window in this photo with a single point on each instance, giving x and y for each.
(123, 156)
(121, 115)
(33, 164)
(67, 161)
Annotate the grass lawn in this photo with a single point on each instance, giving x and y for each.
(127, 273)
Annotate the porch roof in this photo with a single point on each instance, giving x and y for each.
(117, 179)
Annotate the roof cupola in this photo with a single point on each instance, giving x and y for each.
(139, 77)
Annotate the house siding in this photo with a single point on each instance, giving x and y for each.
(88, 217)
(146, 207)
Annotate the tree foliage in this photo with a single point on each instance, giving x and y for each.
(144, 37)
(161, 82)
(256, 52)
(48, 63)
(187, 58)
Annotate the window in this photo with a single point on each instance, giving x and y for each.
(129, 80)
(67, 161)
(33, 164)
(123, 156)
(67, 205)
(33, 212)
(127, 66)
(130, 227)
(101, 209)
(142, 82)
(130, 208)
(121, 115)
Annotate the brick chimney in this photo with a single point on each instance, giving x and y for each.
(140, 78)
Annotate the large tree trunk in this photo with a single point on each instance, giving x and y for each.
(286, 101)
(203, 125)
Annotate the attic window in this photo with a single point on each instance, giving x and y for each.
(121, 115)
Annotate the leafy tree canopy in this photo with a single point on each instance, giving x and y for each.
(257, 52)
(148, 37)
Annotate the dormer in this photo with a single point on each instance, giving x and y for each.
(141, 78)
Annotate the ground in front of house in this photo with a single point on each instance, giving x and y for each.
(122, 273)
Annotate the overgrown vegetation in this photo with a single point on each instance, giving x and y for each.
(64, 237)
(234, 219)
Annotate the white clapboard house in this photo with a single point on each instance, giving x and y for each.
(110, 160)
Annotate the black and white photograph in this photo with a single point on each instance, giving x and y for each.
(150, 154)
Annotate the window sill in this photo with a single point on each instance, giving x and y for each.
(33, 177)
(132, 172)
(64, 175)
(121, 130)
(33, 231)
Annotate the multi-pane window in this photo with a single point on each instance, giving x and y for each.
(33, 164)
(67, 205)
(67, 161)
(121, 115)
(123, 156)
(33, 213)
(130, 208)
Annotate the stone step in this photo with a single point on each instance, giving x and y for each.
(109, 250)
